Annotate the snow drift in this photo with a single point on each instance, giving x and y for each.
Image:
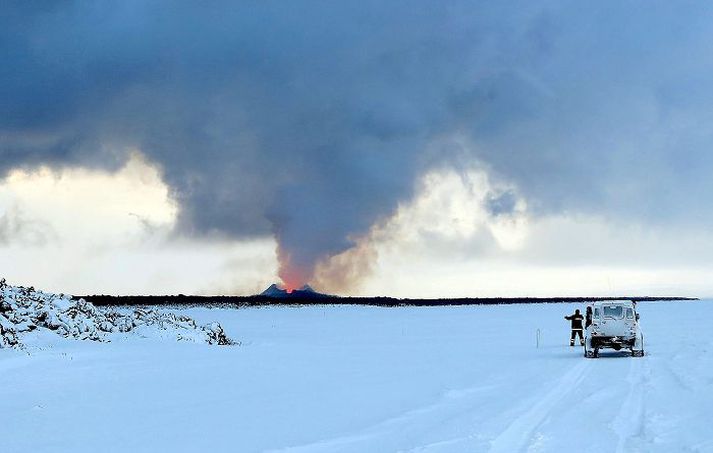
(24, 309)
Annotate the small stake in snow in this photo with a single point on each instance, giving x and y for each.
(538, 338)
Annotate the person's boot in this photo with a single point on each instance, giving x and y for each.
(571, 343)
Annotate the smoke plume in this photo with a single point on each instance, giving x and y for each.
(311, 120)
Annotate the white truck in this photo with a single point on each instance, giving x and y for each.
(615, 325)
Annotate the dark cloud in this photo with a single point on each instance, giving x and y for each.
(311, 120)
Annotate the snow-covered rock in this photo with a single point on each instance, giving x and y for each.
(24, 309)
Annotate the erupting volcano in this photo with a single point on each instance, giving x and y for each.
(279, 291)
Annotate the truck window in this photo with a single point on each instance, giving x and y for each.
(613, 311)
(630, 313)
(596, 312)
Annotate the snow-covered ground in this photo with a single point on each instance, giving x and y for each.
(366, 379)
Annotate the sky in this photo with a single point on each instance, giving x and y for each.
(412, 149)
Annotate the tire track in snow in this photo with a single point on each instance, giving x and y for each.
(629, 422)
(518, 434)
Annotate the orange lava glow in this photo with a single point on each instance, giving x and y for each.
(293, 277)
(291, 284)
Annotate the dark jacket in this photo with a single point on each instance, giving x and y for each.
(576, 320)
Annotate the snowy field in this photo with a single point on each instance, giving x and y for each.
(363, 379)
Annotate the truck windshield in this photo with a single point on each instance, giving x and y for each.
(613, 311)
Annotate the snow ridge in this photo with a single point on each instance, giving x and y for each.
(519, 432)
(24, 309)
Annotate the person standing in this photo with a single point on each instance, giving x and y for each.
(576, 320)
